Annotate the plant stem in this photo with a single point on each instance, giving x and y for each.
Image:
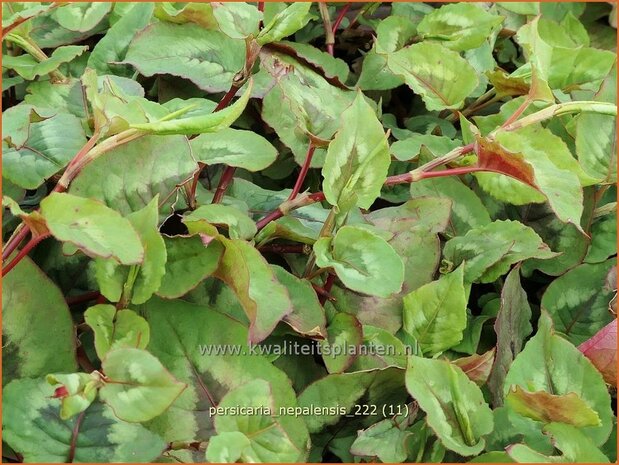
(82, 298)
(15, 240)
(227, 98)
(285, 248)
(224, 182)
(32, 243)
(340, 17)
(322, 298)
(519, 111)
(326, 21)
(274, 215)
(304, 169)
(33, 50)
(566, 108)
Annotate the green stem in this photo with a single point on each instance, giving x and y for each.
(28, 45)
(125, 298)
(566, 108)
(108, 144)
(327, 229)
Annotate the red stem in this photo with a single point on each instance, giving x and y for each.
(304, 169)
(405, 178)
(330, 49)
(452, 172)
(274, 215)
(519, 111)
(261, 7)
(15, 241)
(21, 235)
(228, 174)
(226, 99)
(80, 299)
(32, 243)
(340, 17)
(322, 298)
(224, 182)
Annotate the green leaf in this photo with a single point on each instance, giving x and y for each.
(116, 328)
(186, 337)
(555, 172)
(343, 334)
(467, 211)
(565, 63)
(143, 282)
(300, 103)
(435, 313)
(268, 441)
(227, 447)
(113, 46)
(210, 122)
(338, 394)
(239, 225)
(77, 391)
(37, 329)
(264, 299)
(576, 447)
(357, 159)
(548, 408)
(459, 26)
(29, 68)
(364, 261)
(375, 74)
(234, 147)
(237, 20)
(308, 316)
(209, 59)
(189, 263)
(137, 386)
(550, 363)
(140, 170)
(489, 251)
(285, 23)
(454, 405)
(198, 13)
(92, 227)
(383, 440)
(566, 239)
(603, 239)
(33, 149)
(33, 428)
(578, 301)
(596, 136)
(440, 76)
(512, 326)
(81, 17)
(393, 33)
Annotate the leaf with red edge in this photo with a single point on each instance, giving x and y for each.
(601, 349)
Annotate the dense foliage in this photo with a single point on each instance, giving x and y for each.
(309, 232)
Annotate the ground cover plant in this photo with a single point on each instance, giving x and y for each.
(335, 232)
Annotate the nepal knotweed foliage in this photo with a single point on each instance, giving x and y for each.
(190, 190)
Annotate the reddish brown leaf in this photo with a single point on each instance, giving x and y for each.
(492, 156)
(548, 408)
(506, 85)
(601, 349)
(477, 367)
